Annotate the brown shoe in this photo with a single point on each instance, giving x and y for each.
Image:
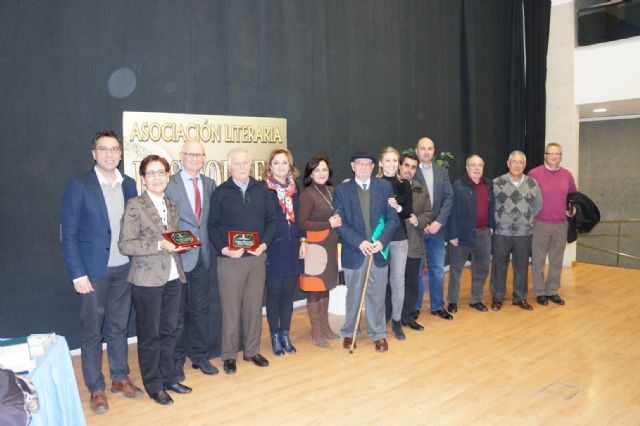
(524, 305)
(126, 388)
(381, 345)
(98, 402)
(496, 305)
(346, 343)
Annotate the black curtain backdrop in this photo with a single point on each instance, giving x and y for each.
(347, 75)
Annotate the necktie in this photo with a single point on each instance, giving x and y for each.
(198, 201)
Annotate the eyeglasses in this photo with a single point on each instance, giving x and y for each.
(193, 156)
(553, 154)
(105, 149)
(155, 173)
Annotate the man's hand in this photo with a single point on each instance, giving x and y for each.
(433, 227)
(232, 253)
(571, 213)
(259, 250)
(454, 242)
(83, 285)
(413, 219)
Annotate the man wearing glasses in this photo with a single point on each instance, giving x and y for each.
(362, 204)
(192, 191)
(550, 225)
(90, 225)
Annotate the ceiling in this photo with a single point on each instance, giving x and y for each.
(627, 107)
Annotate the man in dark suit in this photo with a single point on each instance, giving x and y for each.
(90, 224)
(192, 191)
(437, 181)
(362, 204)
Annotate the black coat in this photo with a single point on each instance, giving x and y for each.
(587, 215)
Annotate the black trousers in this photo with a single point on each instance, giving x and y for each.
(156, 322)
(411, 277)
(193, 321)
(104, 315)
(280, 302)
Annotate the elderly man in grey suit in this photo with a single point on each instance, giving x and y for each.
(192, 191)
(436, 179)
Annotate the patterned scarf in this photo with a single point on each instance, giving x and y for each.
(285, 194)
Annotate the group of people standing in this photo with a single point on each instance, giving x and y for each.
(388, 225)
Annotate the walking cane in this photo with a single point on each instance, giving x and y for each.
(362, 296)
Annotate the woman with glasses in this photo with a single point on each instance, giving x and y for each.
(285, 251)
(157, 276)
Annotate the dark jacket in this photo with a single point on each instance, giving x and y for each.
(587, 215)
(282, 253)
(462, 220)
(84, 225)
(229, 211)
(402, 194)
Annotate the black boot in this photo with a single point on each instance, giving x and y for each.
(276, 345)
(286, 342)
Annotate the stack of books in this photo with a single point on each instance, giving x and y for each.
(39, 344)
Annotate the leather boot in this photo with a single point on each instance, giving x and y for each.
(286, 342)
(276, 345)
(313, 309)
(324, 320)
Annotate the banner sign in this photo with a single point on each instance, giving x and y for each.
(163, 134)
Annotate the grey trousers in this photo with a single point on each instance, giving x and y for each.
(374, 300)
(520, 249)
(548, 239)
(480, 260)
(398, 251)
(241, 284)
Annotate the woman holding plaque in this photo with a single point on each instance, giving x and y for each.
(286, 249)
(157, 277)
(321, 264)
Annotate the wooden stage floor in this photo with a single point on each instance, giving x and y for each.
(572, 365)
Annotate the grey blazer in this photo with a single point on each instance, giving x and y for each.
(442, 196)
(178, 193)
(141, 229)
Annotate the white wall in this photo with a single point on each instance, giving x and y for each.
(608, 71)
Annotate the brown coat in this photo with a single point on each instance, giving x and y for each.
(422, 210)
(141, 229)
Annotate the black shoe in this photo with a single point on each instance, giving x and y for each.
(229, 366)
(413, 325)
(178, 388)
(205, 366)
(556, 299)
(452, 307)
(542, 300)
(479, 306)
(524, 305)
(161, 398)
(396, 327)
(442, 314)
(257, 360)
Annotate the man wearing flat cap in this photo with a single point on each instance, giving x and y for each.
(368, 222)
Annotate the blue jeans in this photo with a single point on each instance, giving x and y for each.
(435, 260)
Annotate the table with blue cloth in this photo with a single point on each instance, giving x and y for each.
(57, 388)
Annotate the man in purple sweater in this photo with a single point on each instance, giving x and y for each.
(550, 225)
